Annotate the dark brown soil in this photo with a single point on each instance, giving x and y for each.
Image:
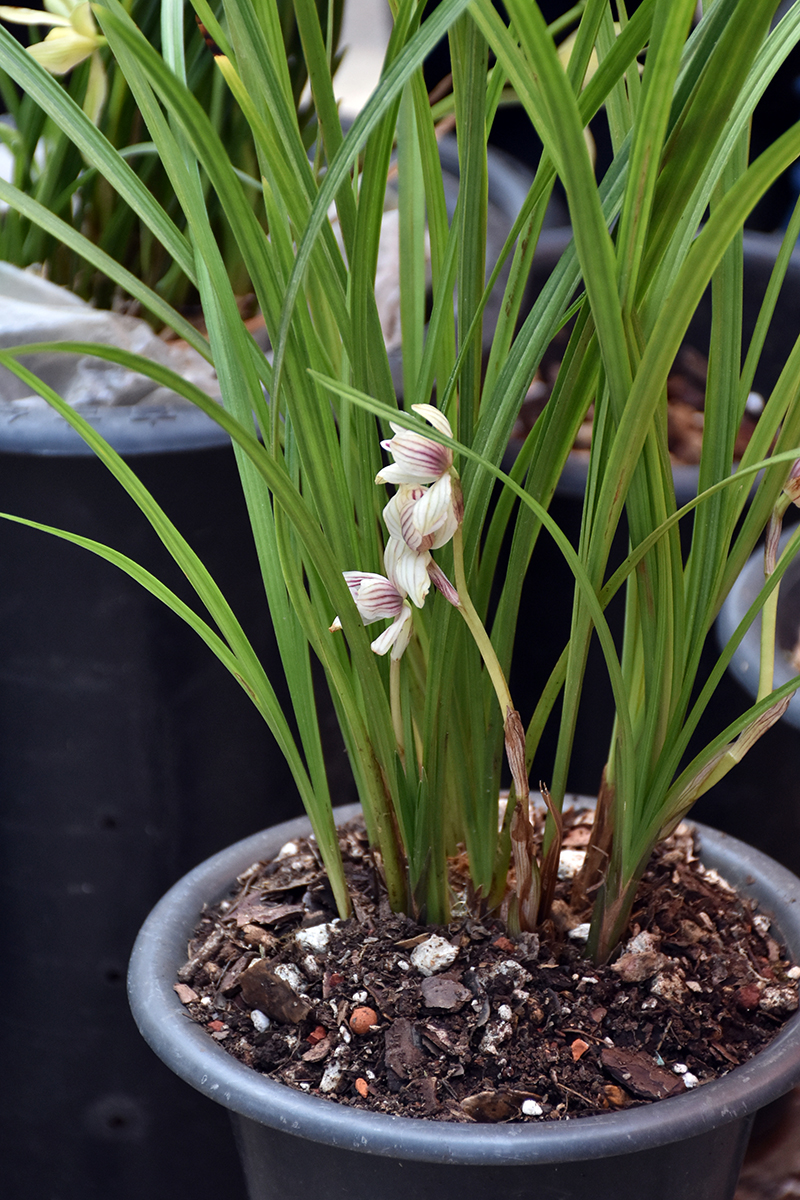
(495, 1029)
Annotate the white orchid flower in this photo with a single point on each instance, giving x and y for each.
(377, 597)
(73, 37)
(417, 460)
(414, 570)
(408, 570)
(425, 518)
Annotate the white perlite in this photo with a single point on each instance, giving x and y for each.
(580, 933)
(432, 955)
(316, 937)
(570, 862)
(331, 1076)
(260, 1020)
(289, 973)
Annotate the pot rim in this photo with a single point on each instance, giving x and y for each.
(187, 1049)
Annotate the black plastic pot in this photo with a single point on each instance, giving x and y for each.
(294, 1145)
(127, 753)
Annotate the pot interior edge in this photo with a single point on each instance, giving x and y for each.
(187, 1049)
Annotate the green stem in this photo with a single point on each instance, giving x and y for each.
(397, 712)
(476, 628)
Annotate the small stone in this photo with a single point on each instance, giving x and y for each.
(669, 985)
(531, 1108)
(434, 954)
(635, 967)
(578, 1048)
(311, 968)
(779, 999)
(747, 996)
(362, 1087)
(580, 933)
(570, 862)
(643, 943)
(690, 1080)
(362, 1020)
(332, 1077)
(260, 1020)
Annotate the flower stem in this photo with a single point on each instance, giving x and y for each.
(397, 711)
(512, 725)
(476, 628)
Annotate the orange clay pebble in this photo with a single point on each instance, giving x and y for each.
(579, 1048)
(362, 1087)
(362, 1020)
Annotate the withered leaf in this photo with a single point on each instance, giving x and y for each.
(265, 990)
(402, 1051)
(230, 980)
(444, 993)
(439, 1039)
(253, 909)
(639, 1075)
(490, 1107)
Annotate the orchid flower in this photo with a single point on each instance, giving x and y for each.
(417, 459)
(376, 598)
(424, 518)
(74, 37)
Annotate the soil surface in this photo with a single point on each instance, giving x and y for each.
(464, 1023)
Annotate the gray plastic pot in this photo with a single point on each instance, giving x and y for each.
(745, 663)
(294, 1145)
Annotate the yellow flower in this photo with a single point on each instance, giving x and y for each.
(73, 37)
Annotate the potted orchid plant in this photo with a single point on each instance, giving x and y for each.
(423, 701)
